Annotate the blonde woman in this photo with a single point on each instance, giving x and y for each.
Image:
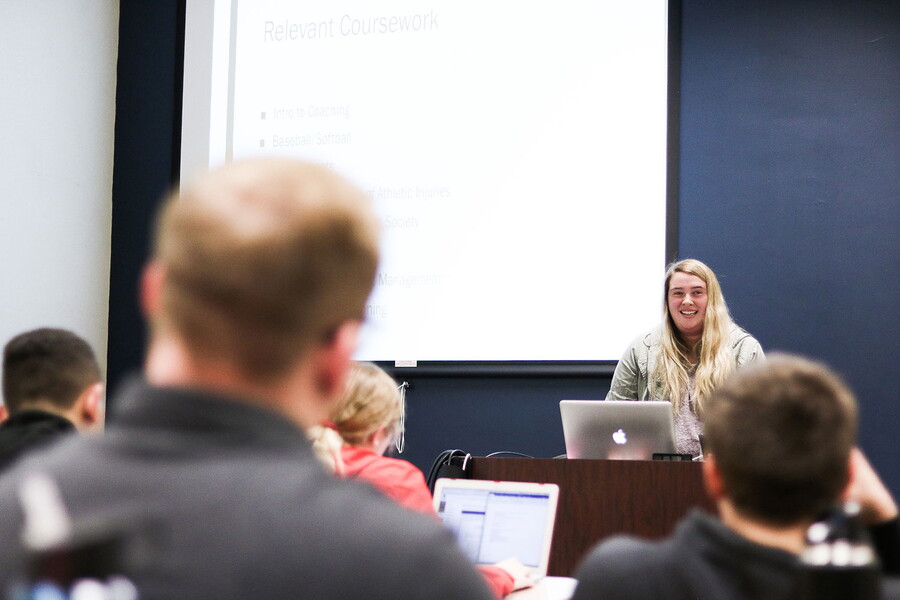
(367, 420)
(685, 358)
(365, 423)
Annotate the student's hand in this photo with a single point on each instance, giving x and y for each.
(876, 505)
(520, 574)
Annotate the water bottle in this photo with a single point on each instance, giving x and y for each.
(63, 561)
(839, 562)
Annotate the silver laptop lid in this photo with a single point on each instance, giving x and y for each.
(617, 429)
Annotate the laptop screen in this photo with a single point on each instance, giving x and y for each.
(492, 523)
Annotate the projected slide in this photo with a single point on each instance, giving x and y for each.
(515, 151)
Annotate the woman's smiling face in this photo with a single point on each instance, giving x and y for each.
(687, 300)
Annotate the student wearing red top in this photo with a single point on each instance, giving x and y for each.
(365, 423)
(397, 479)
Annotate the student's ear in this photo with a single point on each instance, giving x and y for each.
(378, 441)
(152, 280)
(712, 479)
(4, 413)
(334, 359)
(91, 407)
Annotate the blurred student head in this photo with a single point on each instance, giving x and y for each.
(780, 436)
(259, 277)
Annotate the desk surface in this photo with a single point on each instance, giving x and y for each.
(548, 588)
(601, 498)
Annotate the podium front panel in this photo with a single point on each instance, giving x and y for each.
(601, 498)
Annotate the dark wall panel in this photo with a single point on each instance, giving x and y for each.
(790, 186)
(483, 415)
(148, 108)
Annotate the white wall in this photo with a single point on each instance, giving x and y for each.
(57, 112)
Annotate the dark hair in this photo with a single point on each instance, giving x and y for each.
(48, 365)
(781, 433)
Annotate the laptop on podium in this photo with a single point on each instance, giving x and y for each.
(617, 429)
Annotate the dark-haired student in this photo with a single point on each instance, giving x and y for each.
(52, 387)
(781, 439)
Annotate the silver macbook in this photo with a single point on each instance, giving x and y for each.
(496, 520)
(617, 429)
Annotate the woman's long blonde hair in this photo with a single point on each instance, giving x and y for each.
(370, 400)
(716, 361)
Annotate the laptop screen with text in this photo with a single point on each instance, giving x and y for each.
(493, 521)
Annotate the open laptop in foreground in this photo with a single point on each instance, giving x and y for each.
(496, 520)
(617, 429)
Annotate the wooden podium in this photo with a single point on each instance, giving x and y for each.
(600, 498)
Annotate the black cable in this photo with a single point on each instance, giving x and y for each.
(444, 459)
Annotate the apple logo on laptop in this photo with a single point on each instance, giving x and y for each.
(619, 437)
